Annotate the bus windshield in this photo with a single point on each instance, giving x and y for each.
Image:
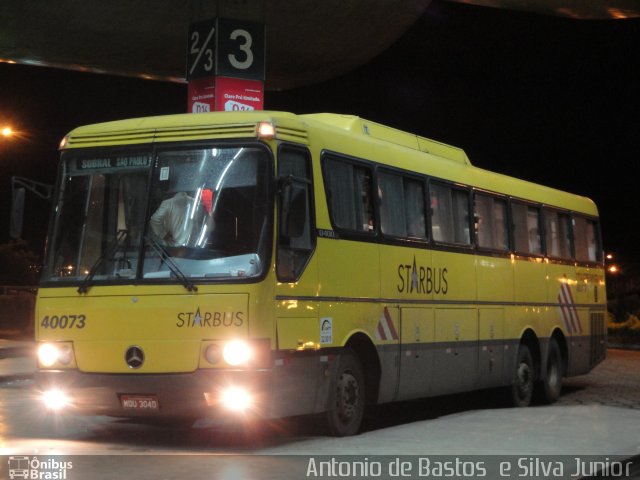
(194, 213)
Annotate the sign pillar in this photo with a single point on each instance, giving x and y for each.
(225, 65)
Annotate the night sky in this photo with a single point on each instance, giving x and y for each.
(547, 99)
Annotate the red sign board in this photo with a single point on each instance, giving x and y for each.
(202, 95)
(225, 94)
(236, 94)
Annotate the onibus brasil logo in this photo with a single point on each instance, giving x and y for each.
(34, 468)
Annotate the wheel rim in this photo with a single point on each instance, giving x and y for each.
(348, 396)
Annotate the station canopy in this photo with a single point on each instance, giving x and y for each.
(307, 41)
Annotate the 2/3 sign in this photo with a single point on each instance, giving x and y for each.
(228, 48)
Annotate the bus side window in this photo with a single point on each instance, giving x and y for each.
(401, 206)
(557, 228)
(349, 195)
(526, 228)
(449, 214)
(295, 251)
(491, 222)
(586, 240)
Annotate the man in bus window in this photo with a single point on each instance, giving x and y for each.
(177, 220)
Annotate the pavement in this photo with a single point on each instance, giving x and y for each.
(17, 359)
(593, 419)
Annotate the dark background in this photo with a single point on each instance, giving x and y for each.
(548, 99)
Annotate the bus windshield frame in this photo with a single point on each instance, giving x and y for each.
(162, 214)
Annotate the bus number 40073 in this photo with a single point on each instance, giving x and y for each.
(63, 321)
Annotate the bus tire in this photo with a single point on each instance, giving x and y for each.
(523, 378)
(551, 386)
(345, 407)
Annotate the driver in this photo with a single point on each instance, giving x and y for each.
(178, 219)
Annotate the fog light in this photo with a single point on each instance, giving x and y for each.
(55, 399)
(236, 399)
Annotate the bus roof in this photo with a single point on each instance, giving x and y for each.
(360, 126)
(420, 154)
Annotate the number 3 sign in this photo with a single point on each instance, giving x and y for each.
(223, 47)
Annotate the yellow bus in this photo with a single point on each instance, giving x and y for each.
(269, 264)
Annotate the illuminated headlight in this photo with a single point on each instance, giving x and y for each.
(237, 352)
(236, 399)
(50, 354)
(55, 399)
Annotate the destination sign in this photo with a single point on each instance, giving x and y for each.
(125, 161)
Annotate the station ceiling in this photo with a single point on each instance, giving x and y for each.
(307, 41)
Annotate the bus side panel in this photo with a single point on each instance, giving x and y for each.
(494, 279)
(296, 382)
(491, 354)
(348, 269)
(456, 327)
(456, 350)
(494, 283)
(416, 360)
(529, 278)
(580, 345)
(559, 287)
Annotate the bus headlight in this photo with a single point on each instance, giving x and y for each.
(237, 352)
(213, 354)
(50, 354)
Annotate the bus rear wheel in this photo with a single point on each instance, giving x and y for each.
(346, 401)
(549, 388)
(523, 378)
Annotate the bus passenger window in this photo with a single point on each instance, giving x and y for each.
(526, 228)
(414, 202)
(586, 240)
(401, 206)
(558, 234)
(350, 201)
(450, 214)
(491, 222)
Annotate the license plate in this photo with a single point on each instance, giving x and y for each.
(140, 402)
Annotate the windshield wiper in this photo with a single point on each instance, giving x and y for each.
(173, 266)
(110, 250)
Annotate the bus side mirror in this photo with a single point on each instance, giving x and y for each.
(293, 211)
(19, 185)
(17, 213)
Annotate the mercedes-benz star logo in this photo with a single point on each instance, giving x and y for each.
(134, 357)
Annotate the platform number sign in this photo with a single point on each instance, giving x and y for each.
(201, 49)
(228, 48)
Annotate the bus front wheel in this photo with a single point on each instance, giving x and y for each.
(346, 401)
(523, 378)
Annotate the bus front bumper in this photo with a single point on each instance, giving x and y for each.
(203, 393)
